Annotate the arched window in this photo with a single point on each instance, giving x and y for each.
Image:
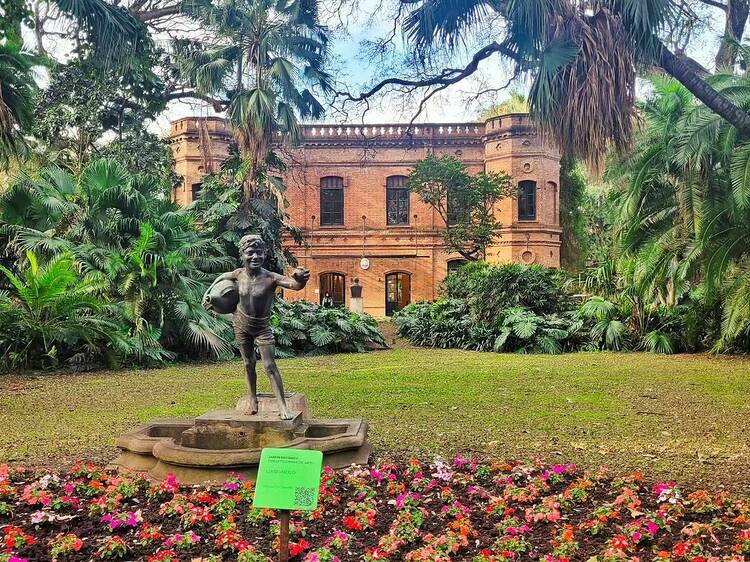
(555, 201)
(527, 201)
(396, 200)
(333, 284)
(331, 201)
(397, 291)
(195, 191)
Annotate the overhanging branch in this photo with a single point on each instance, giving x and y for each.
(446, 78)
(218, 105)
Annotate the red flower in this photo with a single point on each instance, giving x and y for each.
(680, 549)
(298, 548)
(620, 542)
(350, 522)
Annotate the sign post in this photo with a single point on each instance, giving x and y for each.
(288, 480)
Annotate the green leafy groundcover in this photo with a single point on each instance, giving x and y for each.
(305, 328)
(464, 509)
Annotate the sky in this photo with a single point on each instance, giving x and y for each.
(355, 70)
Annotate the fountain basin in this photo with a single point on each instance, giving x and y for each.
(219, 443)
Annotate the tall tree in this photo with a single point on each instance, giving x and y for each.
(17, 87)
(466, 203)
(260, 64)
(737, 12)
(583, 57)
(685, 212)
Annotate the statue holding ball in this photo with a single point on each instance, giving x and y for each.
(248, 294)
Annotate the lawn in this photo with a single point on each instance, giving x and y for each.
(683, 417)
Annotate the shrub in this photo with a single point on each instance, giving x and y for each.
(489, 289)
(448, 323)
(304, 328)
(50, 315)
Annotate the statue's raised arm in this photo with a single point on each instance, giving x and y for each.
(296, 282)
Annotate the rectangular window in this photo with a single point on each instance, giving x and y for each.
(397, 200)
(332, 201)
(527, 201)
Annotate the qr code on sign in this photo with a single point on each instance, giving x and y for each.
(304, 496)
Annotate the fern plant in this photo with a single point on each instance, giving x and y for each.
(50, 314)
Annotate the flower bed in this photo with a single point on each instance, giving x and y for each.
(462, 510)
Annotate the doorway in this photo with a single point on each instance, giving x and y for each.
(397, 291)
(335, 285)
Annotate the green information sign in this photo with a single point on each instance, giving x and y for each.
(288, 479)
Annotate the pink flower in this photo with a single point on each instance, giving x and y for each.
(38, 517)
(459, 462)
(662, 487)
(170, 484)
(652, 528)
(231, 486)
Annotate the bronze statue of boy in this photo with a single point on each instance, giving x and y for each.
(256, 288)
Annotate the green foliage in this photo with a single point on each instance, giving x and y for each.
(466, 203)
(574, 215)
(304, 328)
(84, 101)
(145, 253)
(17, 87)
(138, 150)
(528, 309)
(448, 323)
(517, 103)
(14, 14)
(512, 307)
(226, 219)
(50, 314)
(489, 289)
(685, 211)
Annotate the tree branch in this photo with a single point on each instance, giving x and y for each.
(715, 4)
(702, 90)
(445, 78)
(157, 13)
(218, 105)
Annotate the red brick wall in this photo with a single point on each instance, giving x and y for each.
(364, 158)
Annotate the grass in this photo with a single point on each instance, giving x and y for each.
(683, 417)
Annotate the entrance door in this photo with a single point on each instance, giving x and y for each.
(397, 292)
(334, 284)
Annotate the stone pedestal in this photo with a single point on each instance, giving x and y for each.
(216, 444)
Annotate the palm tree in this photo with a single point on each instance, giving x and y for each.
(17, 87)
(582, 56)
(263, 61)
(145, 251)
(685, 213)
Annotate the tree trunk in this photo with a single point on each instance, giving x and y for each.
(737, 14)
(703, 91)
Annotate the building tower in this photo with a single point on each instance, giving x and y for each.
(199, 146)
(531, 221)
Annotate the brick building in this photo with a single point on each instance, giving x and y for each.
(346, 189)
